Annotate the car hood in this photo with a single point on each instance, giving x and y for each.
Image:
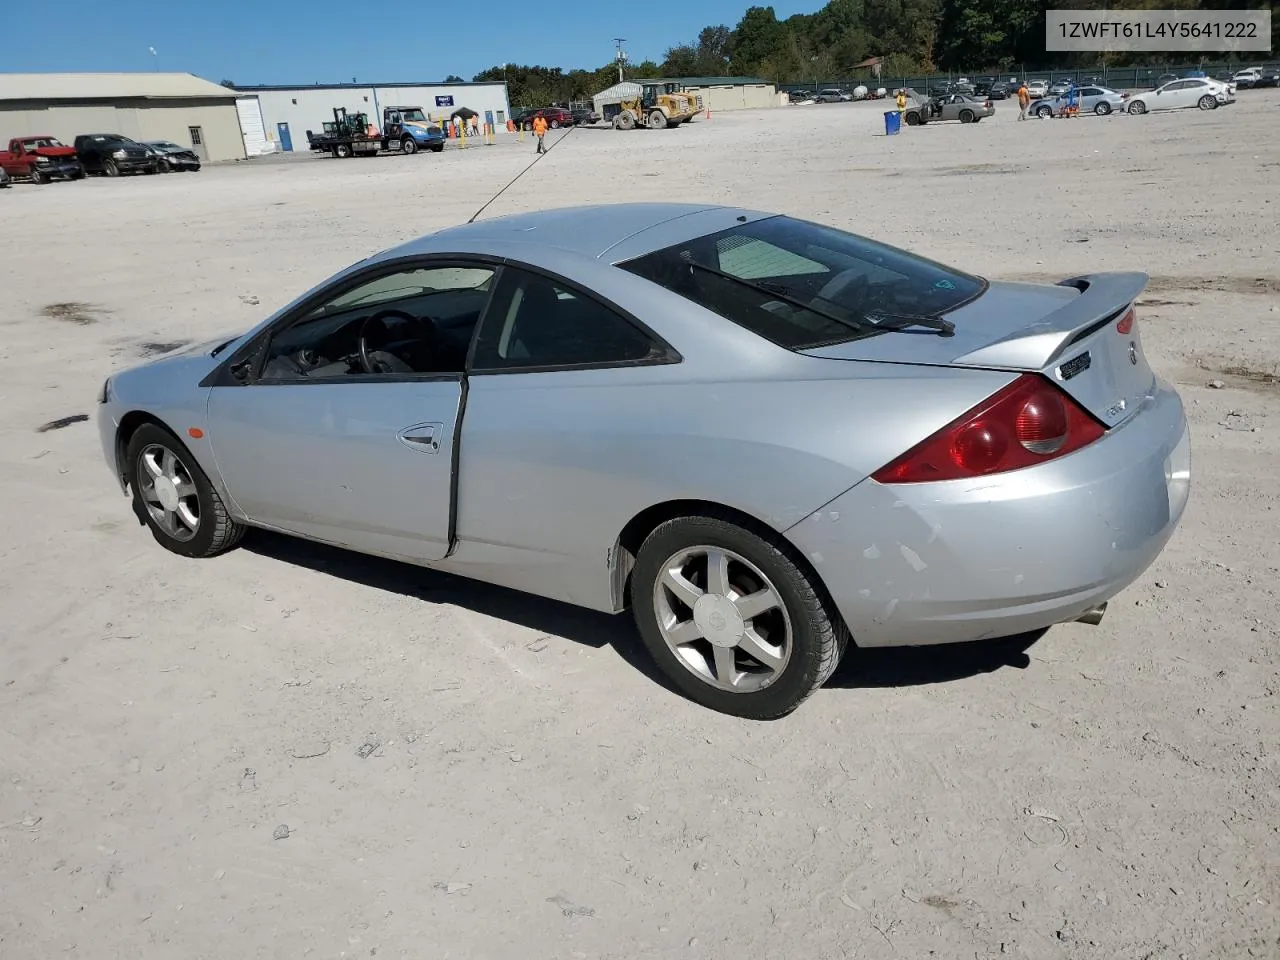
(60, 153)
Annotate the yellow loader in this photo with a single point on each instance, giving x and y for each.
(660, 105)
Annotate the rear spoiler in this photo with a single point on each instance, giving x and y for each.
(1103, 296)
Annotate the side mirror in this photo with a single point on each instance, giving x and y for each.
(241, 370)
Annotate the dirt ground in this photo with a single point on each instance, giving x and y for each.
(464, 772)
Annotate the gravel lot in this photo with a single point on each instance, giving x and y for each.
(464, 772)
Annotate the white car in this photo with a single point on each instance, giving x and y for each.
(1037, 89)
(1189, 92)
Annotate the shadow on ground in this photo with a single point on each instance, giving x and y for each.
(895, 667)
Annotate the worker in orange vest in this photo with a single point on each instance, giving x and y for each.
(540, 131)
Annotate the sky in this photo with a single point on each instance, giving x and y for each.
(328, 41)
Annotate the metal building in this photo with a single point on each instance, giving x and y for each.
(286, 113)
(145, 106)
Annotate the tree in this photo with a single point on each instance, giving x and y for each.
(454, 78)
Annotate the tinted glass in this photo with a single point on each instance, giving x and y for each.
(837, 286)
(538, 322)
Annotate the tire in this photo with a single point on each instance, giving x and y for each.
(164, 167)
(1044, 112)
(409, 146)
(216, 531)
(624, 121)
(555, 124)
(657, 120)
(37, 177)
(1137, 108)
(913, 119)
(438, 148)
(342, 151)
(967, 116)
(1102, 109)
(1207, 103)
(110, 169)
(812, 639)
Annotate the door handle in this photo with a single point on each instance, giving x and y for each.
(423, 437)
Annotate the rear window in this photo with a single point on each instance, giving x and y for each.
(784, 274)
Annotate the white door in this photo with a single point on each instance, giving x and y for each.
(252, 130)
(1174, 95)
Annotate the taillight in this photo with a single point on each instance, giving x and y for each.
(1029, 422)
(1125, 323)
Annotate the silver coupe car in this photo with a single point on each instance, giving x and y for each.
(768, 437)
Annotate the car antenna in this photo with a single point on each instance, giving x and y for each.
(562, 138)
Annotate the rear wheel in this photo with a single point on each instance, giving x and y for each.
(913, 119)
(172, 496)
(1102, 109)
(1137, 108)
(657, 120)
(966, 116)
(1208, 103)
(409, 145)
(342, 150)
(624, 121)
(731, 617)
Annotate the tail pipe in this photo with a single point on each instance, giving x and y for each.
(1093, 616)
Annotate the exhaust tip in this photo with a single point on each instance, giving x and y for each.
(1093, 616)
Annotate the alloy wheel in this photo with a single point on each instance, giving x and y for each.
(723, 619)
(168, 492)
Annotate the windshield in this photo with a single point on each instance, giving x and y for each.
(34, 143)
(836, 273)
(413, 116)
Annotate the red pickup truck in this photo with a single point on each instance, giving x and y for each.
(41, 159)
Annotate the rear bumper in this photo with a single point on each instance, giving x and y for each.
(915, 564)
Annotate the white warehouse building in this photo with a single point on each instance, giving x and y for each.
(277, 118)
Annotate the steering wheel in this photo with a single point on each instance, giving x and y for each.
(383, 361)
(851, 286)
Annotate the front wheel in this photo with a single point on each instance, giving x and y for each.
(733, 620)
(1208, 103)
(657, 120)
(1137, 108)
(172, 496)
(110, 169)
(1044, 113)
(37, 176)
(409, 145)
(1102, 109)
(164, 167)
(913, 119)
(341, 151)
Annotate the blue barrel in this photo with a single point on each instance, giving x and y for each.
(892, 122)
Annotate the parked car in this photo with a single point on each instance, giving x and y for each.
(40, 159)
(1059, 87)
(832, 95)
(500, 410)
(957, 106)
(997, 90)
(583, 117)
(1247, 78)
(170, 156)
(4, 178)
(556, 117)
(114, 154)
(1037, 89)
(1099, 100)
(1195, 92)
(1269, 77)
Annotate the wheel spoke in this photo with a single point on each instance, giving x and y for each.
(170, 522)
(152, 467)
(168, 464)
(185, 488)
(149, 494)
(718, 572)
(684, 633)
(187, 516)
(755, 646)
(726, 670)
(679, 584)
(754, 604)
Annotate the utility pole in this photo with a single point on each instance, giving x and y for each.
(620, 55)
(155, 62)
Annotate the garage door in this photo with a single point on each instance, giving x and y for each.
(255, 136)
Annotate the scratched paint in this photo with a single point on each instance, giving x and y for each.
(872, 552)
(912, 558)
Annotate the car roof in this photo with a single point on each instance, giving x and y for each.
(622, 230)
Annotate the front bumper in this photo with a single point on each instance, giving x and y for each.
(914, 564)
(70, 169)
(130, 165)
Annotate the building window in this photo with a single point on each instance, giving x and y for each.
(295, 101)
(502, 117)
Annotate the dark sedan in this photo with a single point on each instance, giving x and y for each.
(114, 154)
(171, 156)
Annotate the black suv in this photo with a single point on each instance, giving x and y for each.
(113, 154)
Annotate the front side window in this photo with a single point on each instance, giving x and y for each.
(414, 321)
(802, 285)
(537, 322)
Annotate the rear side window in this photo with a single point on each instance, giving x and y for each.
(803, 285)
(535, 322)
